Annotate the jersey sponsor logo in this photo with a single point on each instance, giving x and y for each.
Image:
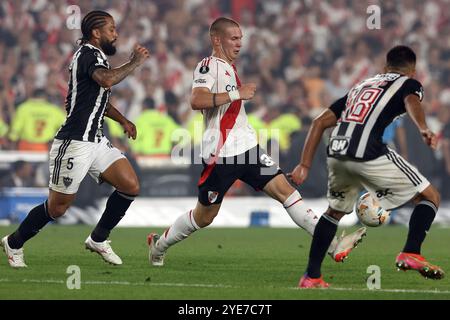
(227, 73)
(230, 87)
(67, 181)
(383, 193)
(200, 81)
(339, 144)
(204, 69)
(212, 196)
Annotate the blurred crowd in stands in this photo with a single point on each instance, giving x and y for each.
(303, 54)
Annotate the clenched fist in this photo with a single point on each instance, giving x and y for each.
(139, 54)
(247, 91)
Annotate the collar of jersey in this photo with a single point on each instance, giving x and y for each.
(94, 47)
(221, 60)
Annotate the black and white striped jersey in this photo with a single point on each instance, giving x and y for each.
(86, 100)
(364, 113)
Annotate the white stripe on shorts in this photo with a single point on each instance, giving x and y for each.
(407, 170)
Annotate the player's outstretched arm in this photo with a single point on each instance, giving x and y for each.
(325, 120)
(415, 111)
(107, 78)
(202, 98)
(128, 127)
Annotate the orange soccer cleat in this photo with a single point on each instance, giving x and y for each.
(311, 283)
(411, 261)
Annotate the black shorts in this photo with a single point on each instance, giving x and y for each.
(254, 167)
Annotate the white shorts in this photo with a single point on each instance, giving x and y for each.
(71, 160)
(390, 179)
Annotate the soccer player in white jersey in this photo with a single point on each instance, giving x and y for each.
(357, 159)
(230, 150)
(80, 148)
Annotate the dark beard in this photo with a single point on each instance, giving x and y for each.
(108, 48)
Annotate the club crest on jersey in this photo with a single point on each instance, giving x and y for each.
(339, 144)
(212, 196)
(420, 94)
(204, 69)
(67, 181)
(100, 60)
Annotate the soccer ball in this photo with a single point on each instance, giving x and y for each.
(370, 212)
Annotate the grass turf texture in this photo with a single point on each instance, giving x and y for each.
(251, 263)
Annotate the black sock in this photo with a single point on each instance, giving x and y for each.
(419, 224)
(36, 219)
(118, 203)
(323, 236)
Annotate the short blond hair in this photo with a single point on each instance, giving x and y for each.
(219, 25)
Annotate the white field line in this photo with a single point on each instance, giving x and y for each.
(121, 283)
(386, 290)
(203, 285)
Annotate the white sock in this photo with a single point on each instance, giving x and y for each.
(180, 230)
(303, 216)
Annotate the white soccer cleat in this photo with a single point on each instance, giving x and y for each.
(155, 257)
(15, 256)
(346, 244)
(104, 249)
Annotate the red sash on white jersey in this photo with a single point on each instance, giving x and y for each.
(226, 124)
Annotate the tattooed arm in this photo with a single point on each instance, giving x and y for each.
(107, 78)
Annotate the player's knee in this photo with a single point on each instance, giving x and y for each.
(434, 197)
(206, 220)
(280, 189)
(287, 192)
(437, 196)
(135, 188)
(56, 211)
(431, 194)
(132, 187)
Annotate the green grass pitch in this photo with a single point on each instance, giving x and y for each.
(251, 263)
